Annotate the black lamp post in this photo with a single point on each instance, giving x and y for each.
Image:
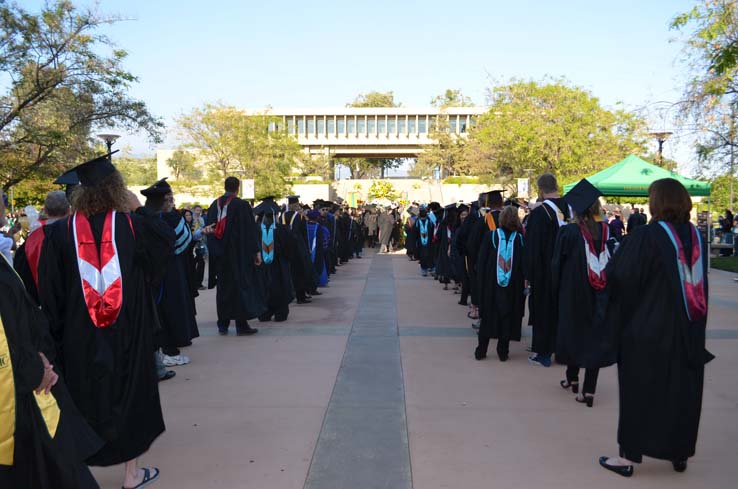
(109, 139)
(661, 137)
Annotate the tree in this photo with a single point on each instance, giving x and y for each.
(549, 127)
(183, 165)
(61, 86)
(137, 171)
(711, 95)
(229, 141)
(363, 167)
(451, 98)
(448, 154)
(382, 189)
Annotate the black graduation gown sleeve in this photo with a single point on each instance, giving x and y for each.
(21, 265)
(40, 461)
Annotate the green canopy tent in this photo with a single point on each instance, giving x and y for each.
(632, 176)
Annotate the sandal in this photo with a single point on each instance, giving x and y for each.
(147, 479)
(565, 384)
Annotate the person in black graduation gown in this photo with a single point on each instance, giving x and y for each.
(444, 265)
(501, 285)
(540, 236)
(345, 235)
(235, 241)
(278, 253)
(660, 322)
(174, 292)
(424, 241)
(25, 261)
(583, 249)
(462, 239)
(304, 278)
(490, 206)
(104, 348)
(44, 441)
(318, 237)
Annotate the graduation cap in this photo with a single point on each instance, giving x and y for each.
(450, 207)
(512, 202)
(582, 196)
(91, 172)
(68, 178)
(293, 199)
(463, 208)
(493, 197)
(159, 188)
(267, 205)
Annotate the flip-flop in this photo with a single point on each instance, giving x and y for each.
(147, 479)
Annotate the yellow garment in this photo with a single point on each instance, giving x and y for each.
(46, 402)
(7, 402)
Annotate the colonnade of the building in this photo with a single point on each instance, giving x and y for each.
(367, 126)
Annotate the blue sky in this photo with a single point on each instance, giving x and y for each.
(323, 53)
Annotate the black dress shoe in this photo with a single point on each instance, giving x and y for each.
(478, 354)
(565, 384)
(679, 465)
(624, 470)
(247, 331)
(315, 292)
(304, 301)
(503, 356)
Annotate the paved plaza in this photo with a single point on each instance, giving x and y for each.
(374, 385)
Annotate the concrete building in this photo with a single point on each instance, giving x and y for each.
(359, 132)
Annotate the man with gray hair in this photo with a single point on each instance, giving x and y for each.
(540, 235)
(56, 206)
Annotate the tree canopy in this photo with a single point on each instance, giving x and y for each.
(63, 80)
(549, 127)
(231, 142)
(711, 95)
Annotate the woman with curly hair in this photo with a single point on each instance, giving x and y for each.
(96, 268)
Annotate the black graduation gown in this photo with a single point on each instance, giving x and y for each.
(411, 246)
(344, 241)
(110, 371)
(331, 253)
(239, 293)
(444, 269)
(501, 309)
(458, 269)
(301, 268)
(174, 293)
(425, 251)
(662, 356)
(23, 267)
(582, 338)
(276, 275)
(40, 462)
(477, 233)
(540, 238)
(462, 239)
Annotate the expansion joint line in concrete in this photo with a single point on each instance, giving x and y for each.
(363, 442)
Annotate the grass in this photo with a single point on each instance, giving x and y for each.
(727, 263)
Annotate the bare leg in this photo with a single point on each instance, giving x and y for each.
(133, 475)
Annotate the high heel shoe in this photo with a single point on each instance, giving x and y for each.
(624, 470)
(585, 399)
(565, 384)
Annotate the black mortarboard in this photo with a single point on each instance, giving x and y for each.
(91, 172)
(450, 207)
(267, 205)
(463, 208)
(159, 188)
(512, 202)
(293, 199)
(493, 197)
(582, 196)
(68, 178)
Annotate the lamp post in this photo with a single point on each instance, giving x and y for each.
(109, 139)
(661, 137)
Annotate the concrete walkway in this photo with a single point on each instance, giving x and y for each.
(374, 385)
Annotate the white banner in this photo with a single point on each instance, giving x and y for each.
(523, 187)
(247, 189)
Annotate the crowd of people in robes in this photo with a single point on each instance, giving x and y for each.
(99, 302)
(596, 297)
